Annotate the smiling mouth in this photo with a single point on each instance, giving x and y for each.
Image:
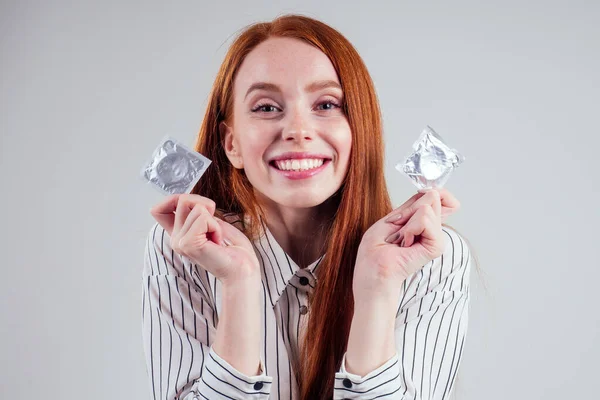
(297, 165)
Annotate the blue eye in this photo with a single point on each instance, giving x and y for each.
(268, 108)
(330, 103)
(265, 105)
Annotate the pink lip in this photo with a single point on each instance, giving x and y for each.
(294, 175)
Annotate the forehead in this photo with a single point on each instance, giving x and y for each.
(285, 62)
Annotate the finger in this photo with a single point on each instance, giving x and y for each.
(430, 197)
(395, 237)
(202, 228)
(206, 225)
(427, 227)
(232, 236)
(198, 211)
(210, 205)
(406, 234)
(184, 207)
(448, 199)
(421, 224)
(397, 213)
(203, 249)
(214, 231)
(436, 207)
(197, 199)
(408, 240)
(163, 212)
(450, 203)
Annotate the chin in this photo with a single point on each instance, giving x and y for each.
(301, 200)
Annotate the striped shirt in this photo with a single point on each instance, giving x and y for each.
(180, 312)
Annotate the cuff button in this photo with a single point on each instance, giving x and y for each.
(347, 383)
(258, 385)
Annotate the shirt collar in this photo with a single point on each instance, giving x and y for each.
(277, 267)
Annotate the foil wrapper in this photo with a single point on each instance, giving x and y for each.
(174, 168)
(431, 161)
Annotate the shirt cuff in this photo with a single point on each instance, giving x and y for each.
(221, 380)
(383, 382)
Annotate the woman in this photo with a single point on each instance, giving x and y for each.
(286, 274)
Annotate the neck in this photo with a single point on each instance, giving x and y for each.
(301, 232)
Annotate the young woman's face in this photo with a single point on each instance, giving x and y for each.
(288, 130)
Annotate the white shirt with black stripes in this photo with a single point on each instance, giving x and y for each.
(180, 312)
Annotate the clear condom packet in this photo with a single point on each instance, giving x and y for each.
(431, 161)
(174, 168)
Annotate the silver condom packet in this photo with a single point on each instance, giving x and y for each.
(174, 168)
(431, 161)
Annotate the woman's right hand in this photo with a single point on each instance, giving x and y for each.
(215, 245)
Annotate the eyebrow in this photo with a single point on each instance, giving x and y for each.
(312, 87)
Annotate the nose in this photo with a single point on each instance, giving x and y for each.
(297, 127)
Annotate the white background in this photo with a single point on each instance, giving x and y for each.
(87, 90)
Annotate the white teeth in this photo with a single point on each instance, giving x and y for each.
(299, 165)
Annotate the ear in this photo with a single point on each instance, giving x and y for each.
(232, 148)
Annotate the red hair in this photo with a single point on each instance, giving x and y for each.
(362, 199)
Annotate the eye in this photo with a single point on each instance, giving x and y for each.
(329, 103)
(264, 107)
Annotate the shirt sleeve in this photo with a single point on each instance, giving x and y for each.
(179, 323)
(431, 326)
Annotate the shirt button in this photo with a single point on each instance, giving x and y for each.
(303, 281)
(258, 385)
(347, 383)
(303, 310)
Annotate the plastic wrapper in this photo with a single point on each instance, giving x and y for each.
(431, 161)
(174, 168)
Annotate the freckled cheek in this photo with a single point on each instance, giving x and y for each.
(254, 151)
(340, 138)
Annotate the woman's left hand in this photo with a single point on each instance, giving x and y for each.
(401, 243)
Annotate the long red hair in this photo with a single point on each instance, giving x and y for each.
(361, 201)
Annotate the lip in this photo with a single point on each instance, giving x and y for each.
(296, 155)
(295, 175)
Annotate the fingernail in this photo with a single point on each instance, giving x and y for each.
(227, 242)
(402, 243)
(394, 218)
(392, 238)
